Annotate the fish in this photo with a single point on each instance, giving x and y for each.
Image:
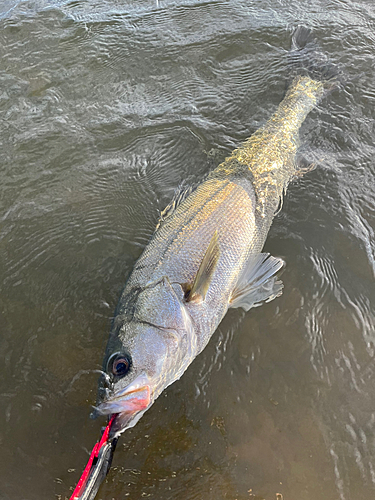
(206, 256)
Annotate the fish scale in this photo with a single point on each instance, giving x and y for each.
(195, 220)
(217, 205)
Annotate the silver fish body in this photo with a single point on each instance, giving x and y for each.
(202, 259)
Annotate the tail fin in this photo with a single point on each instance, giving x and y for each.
(306, 58)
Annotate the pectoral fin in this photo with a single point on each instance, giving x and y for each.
(205, 272)
(257, 283)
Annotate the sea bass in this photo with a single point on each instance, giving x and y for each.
(204, 258)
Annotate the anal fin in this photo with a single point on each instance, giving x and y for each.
(205, 272)
(257, 282)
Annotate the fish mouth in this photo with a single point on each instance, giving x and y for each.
(128, 404)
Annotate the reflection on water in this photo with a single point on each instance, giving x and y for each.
(106, 107)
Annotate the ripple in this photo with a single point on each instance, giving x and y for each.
(106, 108)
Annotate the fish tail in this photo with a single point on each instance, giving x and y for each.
(306, 58)
(269, 154)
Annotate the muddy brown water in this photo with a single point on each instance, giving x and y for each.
(106, 107)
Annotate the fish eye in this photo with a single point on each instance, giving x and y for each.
(119, 364)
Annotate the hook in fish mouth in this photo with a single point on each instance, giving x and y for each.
(128, 404)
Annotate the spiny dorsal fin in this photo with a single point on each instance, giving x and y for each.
(205, 272)
(257, 283)
(181, 193)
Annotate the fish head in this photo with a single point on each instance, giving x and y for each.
(145, 355)
(132, 374)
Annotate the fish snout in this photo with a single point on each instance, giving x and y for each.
(127, 402)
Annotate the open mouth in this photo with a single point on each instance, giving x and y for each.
(128, 404)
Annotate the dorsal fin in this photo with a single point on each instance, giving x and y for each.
(181, 193)
(205, 272)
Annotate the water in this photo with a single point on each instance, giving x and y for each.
(106, 107)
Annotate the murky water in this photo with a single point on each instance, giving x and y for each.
(106, 107)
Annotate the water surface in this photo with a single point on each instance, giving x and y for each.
(106, 108)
